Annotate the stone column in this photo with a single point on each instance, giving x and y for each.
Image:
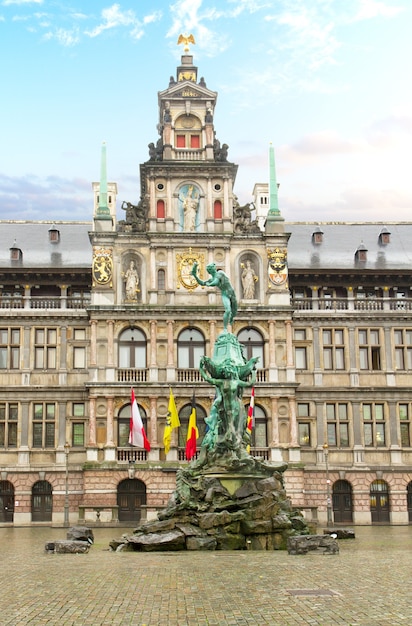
(294, 448)
(93, 343)
(110, 449)
(153, 351)
(273, 372)
(110, 344)
(212, 335)
(91, 452)
(170, 369)
(275, 450)
(154, 454)
(23, 451)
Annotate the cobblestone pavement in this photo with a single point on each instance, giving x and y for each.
(367, 584)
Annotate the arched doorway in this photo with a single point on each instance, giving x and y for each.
(379, 502)
(342, 502)
(409, 501)
(6, 501)
(41, 502)
(131, 495)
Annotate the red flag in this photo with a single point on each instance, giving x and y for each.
(192, 432)
(137, 435)
(250, 413)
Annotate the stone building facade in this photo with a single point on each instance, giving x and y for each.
(90, 310)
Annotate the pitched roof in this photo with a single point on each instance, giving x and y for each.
(73, 248)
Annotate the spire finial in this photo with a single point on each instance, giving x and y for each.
(103, 211)
(186, 40)
(273, 187)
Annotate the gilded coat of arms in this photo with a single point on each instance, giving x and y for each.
(277, 267)
(102, 267)
(185, 262)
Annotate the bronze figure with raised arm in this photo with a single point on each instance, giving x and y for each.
(219, 279)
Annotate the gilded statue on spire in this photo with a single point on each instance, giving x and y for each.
(186, 40)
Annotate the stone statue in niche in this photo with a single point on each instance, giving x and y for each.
(131, 282)
(249, 280)
(242, 220)
(189, 198)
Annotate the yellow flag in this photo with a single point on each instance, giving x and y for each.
(172, 421)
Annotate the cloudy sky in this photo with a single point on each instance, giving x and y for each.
(327, 82)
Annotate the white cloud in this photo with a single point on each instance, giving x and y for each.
(112, 18)
(369, 9)
(7, 3)
(66, 38)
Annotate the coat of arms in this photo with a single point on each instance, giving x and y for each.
(185, 262)
(277, 267)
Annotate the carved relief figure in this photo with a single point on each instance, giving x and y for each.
(131, 279)
(249, 280)
(190, 204)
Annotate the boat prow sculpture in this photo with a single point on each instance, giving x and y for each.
(226, 499)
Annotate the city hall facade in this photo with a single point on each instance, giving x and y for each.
(89, 310)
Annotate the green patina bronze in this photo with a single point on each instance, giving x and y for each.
(226, 499)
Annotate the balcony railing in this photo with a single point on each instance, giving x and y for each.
(352, 304)
(132, 376)
(261, 453)
(191, 375)
(131, 455)
(44, 302)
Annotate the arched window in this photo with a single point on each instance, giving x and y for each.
(259, 435)
(123, 424)
(161, 280)
(217, 210)
(160, 212)
(41, 502)
(132, 349)
(253, 344)
(184, 415)
(190, 348)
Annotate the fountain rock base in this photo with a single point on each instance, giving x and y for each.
(235, 507)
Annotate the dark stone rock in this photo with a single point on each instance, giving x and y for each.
(209, 520)
(226, 541)
(302, 544)
(80, 533)
(246, 490)
(201, 543)
(170, 541)
(157, 527)
(189, 530)
(256, 527)
(66, 546)
(341, 533)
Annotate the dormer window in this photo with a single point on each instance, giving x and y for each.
(361, 254)
(317, 236)
(15, 253)
(54, 235)
(384, 237)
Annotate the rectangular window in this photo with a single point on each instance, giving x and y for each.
(369, 349)
(79, 334)
(403, 349)
(304, 433)
(45, 348)
(300, 358)
(44, 425)
(180, 141)
(337, 424)
(78, 434)
(195, 141)
(404, 412)
(300, 334)
(374, 425)
(9, 348)
(79, 357)
(303, 409)
(333, 350)
(8, 424)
